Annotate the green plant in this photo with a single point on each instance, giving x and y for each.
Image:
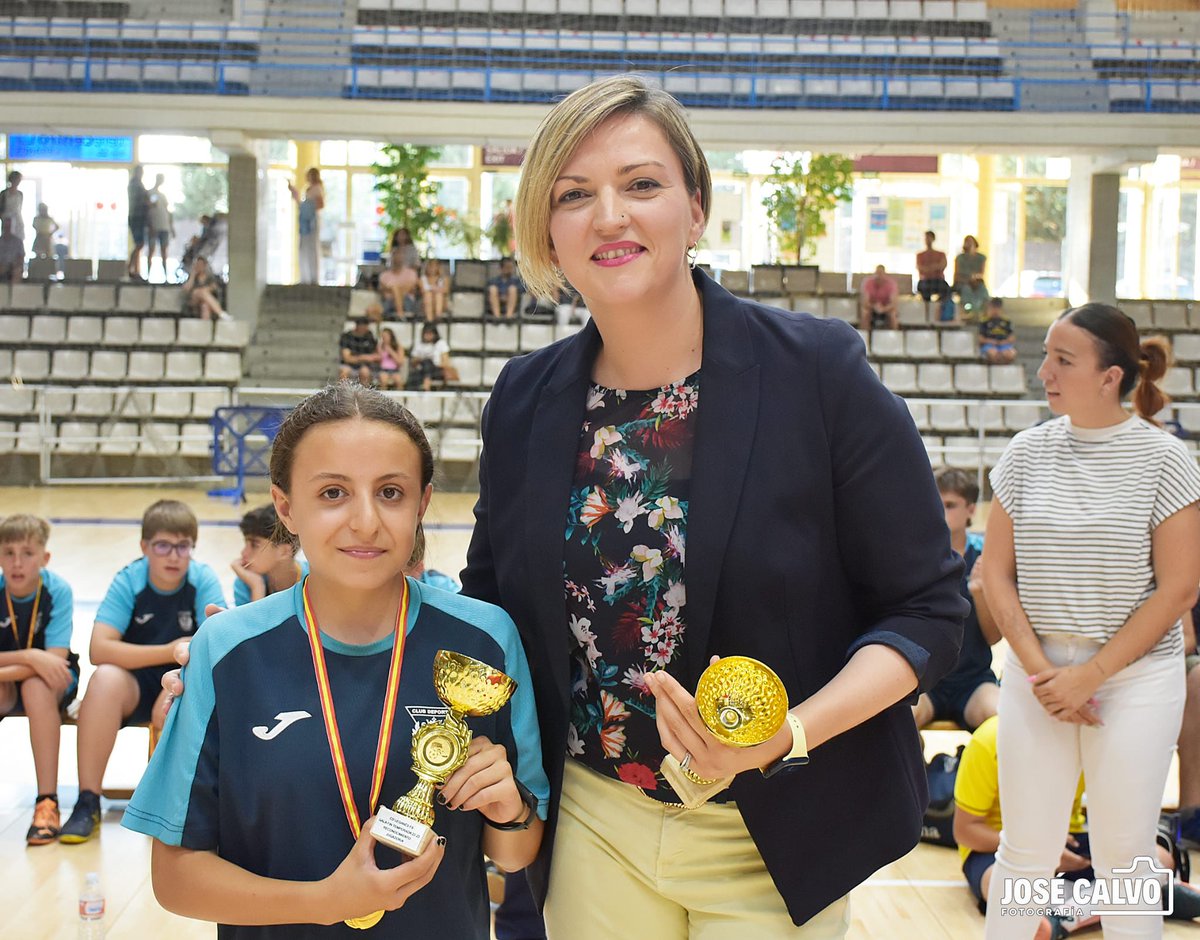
(406, 194)
(803, 192)
(458, 228)
(500, 233)
(205, 191)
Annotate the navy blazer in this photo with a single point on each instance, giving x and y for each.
(814, 528)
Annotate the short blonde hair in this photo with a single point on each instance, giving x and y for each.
(23, 527)
(562, 130)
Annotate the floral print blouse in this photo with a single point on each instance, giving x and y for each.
(623, 565)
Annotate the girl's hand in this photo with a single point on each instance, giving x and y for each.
(358, 886)
(1067, 690)
(485, 782)
(682, 732)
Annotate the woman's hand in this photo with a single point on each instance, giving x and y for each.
(485, 782)
(358, 886)
(171, 681)
(1066, 691)
(682, 732)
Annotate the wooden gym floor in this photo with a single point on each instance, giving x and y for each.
(919, 897)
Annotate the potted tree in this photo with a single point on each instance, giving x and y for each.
(803, 190)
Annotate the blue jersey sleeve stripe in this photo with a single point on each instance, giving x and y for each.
(117, 606)
(161, 805)
(526, 732)
(62, 613)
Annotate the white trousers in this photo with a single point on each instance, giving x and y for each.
(1124, 761)
(310, 258)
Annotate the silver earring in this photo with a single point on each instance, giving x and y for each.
(558, 272)
(691, 254)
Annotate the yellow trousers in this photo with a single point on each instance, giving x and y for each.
(627, 866)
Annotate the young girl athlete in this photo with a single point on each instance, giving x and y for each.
(259, 792)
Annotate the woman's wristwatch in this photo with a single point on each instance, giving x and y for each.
(525, 819)
(797, 756)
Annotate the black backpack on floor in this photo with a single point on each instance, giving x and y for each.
(937, 826)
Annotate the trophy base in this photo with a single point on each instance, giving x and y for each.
(401, 833)
(691, 794)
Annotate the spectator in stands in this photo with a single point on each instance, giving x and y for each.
(878, 299)
(139, 218)
(997, 342)
(595, 484)
(931, 278)
(202, 292)
(429, 360)
(12, 253)
(308, 221)
(435, 290)
(1094, 504)
(393, 363)
(12, 203)
(44, 228)
(151, 605)
(358, 352)
(268, 562)
(39, 674)
(969, 694)
(507, 287)
(968, 278)
(160, 226)
(401, 279)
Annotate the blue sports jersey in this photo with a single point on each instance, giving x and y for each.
(241, 590)
(975, 658)
(243, 767)
(144, 615)
(56, 609)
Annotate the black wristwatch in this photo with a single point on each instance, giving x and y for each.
(517, 825)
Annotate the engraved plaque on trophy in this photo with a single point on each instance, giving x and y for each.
(743, 703)
(470, 688)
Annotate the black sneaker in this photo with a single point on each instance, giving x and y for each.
(84, 821)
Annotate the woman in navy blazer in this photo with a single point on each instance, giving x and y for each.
(815, 536)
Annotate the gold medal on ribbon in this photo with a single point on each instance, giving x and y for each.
(325, 693)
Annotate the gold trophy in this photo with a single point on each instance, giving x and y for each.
(439, 747)
(743, 703)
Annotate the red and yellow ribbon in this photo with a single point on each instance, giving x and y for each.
(327, 710)
(33, 617)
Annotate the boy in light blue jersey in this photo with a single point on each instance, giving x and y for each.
(151, 605)
(38, 672)
(268, 560)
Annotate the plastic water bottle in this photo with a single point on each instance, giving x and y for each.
(91, 909)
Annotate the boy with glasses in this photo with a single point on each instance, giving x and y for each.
(151, 605)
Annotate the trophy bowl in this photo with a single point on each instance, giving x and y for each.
(469, 686)
(741, 700)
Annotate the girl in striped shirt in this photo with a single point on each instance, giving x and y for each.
(1093, 556)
